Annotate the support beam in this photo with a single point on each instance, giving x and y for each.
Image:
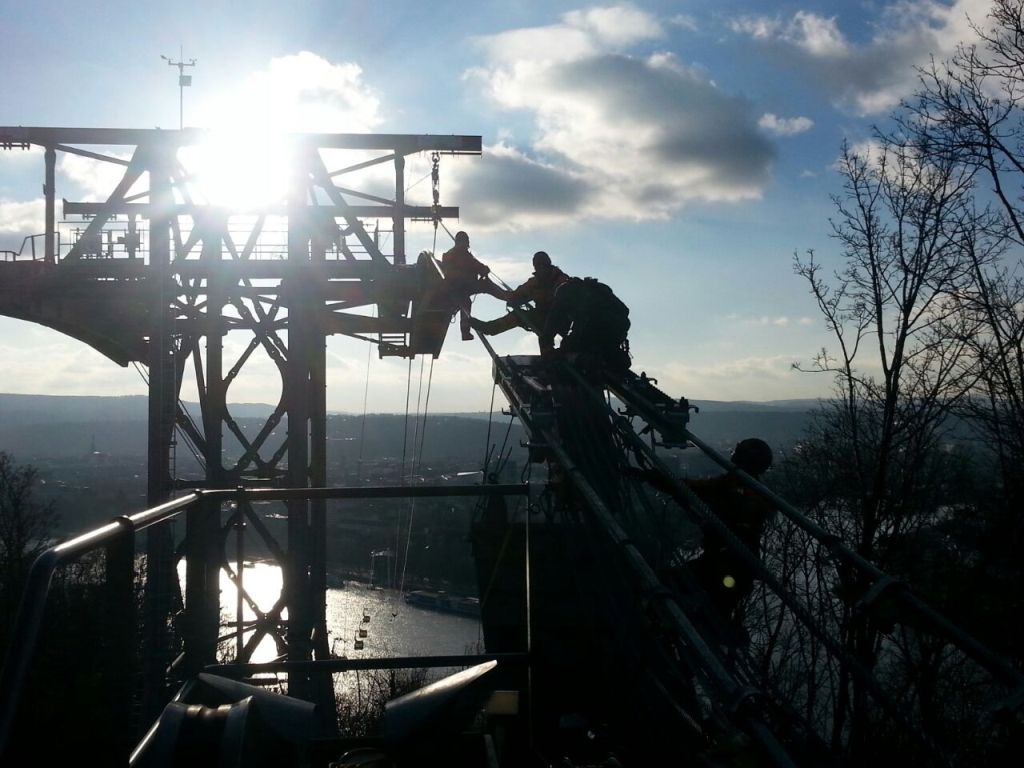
(49, 192)
(165, 289)
(160, 577)
(398, 210)
(406, 144)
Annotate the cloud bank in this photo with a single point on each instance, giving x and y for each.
(871, 76)
(620, 128)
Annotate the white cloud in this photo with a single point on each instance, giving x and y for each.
(625, 134)
(17, 154)
(757, 27)
(872, 76)
(21, 218)
(298, 92)
(95, 179)
(46, 361)
(771, 377)
(684, 21)
(778, 321)
(785, 126)
(870, 150)
(817, 35)
(617, 26)
(874, 154)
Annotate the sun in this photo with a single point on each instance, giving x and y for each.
(243, 160)
(237, 167)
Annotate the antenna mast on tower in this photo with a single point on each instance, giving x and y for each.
(183, 81)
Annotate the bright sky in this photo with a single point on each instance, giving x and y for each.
(680, 151)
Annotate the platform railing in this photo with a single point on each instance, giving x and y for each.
(117, 539)
(29, 244)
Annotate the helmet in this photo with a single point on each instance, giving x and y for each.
(461, 238)
(752, 455)
(541, 259)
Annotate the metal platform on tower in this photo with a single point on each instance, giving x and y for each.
(159, 273)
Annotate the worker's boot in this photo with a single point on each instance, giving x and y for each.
(496, 326)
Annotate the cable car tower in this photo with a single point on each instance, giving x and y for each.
(154, 275)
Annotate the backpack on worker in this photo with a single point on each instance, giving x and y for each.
(607, 324)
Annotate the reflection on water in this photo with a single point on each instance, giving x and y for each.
(394, 628)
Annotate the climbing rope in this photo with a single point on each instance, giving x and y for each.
(366, 398)
(185, 436)
(419, 436)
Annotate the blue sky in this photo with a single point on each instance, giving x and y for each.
(680, 151)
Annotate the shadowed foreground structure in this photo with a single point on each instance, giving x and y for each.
(592, 656)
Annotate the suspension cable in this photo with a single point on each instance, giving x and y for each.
(420, 435)
(405, 423)
(366, 397)
(490, 420)
(189, 443)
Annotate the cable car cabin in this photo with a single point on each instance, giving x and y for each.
(430, 314)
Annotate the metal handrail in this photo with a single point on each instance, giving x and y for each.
(998, 666)
(992, 661)
(121, 533)
(32, 607)
(343, 664)
(879, 583)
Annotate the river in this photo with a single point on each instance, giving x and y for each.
(394, 627)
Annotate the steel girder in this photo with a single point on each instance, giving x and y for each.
(154, 275)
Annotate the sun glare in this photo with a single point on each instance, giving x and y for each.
(237, 167)
(242, 162)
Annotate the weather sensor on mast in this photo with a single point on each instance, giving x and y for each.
(183, 81)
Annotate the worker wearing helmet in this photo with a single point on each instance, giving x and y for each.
(720, 569)
(464, 277)
(539, 289)
(723, 574)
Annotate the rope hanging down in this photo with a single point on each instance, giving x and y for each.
(419, 436)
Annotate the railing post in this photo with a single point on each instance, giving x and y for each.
(49, 190)
(161, 579)
(202, 595)
(120, 651)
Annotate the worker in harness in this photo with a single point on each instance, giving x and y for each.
(464, 277)
(592, 321)
(539, 289)
(719, 569)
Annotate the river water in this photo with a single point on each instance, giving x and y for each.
(394, 627)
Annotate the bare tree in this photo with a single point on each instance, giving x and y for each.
(971, 109)
(926, 312)
(25, 528)
(875, 458)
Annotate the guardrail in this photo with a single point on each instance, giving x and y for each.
(117, 538)
(29, 243)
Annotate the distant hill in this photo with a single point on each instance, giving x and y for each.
(780, 423)
(33, 426)
(49, 409)
(773, 406)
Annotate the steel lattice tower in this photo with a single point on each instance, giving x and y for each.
(154, 276)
